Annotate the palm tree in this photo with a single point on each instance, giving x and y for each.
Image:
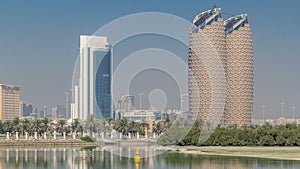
(100, 126)
(26, 124)
(16, 125)
(122, 126)
(45, 125)
(61, 126)
(81, 128)
(91, 124)
(167, 124)
(1, 127)
(133, 127)
(109, 121)
(143, 127)
(75, 126)
(158, 128)
(7, 126)
(106, 126)
(37, 127)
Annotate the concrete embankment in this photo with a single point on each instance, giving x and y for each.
(46, 143)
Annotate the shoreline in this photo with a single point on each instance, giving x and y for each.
(46, 143)
(279, 153)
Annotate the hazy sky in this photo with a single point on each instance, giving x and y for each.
(39, 43)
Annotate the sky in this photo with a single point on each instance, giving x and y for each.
(39, 44)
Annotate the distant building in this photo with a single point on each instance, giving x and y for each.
(170, 114)
(126, 103)
(43, 113)
(34, 113)
(278, 121)
(59, 112)
(68, 104)
(140, 115)
(9, 102)
(117, 115)
(26, 109)
(75, 102)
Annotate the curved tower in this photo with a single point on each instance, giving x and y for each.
(207, 65)
(239, 104)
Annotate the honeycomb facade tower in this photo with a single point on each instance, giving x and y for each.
(207, 66)
(239, 104)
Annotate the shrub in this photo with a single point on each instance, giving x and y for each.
(87, 139)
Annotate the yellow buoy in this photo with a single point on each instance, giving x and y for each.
(137, 158)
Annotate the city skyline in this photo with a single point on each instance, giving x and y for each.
(41, 58)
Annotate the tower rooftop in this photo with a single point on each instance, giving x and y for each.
(234, 23)
(206, 18)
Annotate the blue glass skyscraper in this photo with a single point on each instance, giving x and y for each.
(103, 84)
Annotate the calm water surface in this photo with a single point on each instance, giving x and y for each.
(101, 159)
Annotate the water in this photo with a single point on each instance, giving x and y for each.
(101, 159)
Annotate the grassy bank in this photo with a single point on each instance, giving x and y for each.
(284, 153)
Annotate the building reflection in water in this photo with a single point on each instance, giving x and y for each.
(102, 159)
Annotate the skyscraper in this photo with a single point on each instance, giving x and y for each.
(75, 103)
(230, 42)
(207, 66)
(59, 112)
(239, 104)
(126, 104)
(68, 112)
(103, 84)
(94, 95)
(9, 102)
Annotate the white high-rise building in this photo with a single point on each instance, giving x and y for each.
(75, 103)
(86, 104)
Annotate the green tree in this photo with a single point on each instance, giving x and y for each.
(62, 126)
(158, 128)
(122, 126)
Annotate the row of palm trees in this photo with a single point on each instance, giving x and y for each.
(40, 126)
(90, 126)
(126, 127)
